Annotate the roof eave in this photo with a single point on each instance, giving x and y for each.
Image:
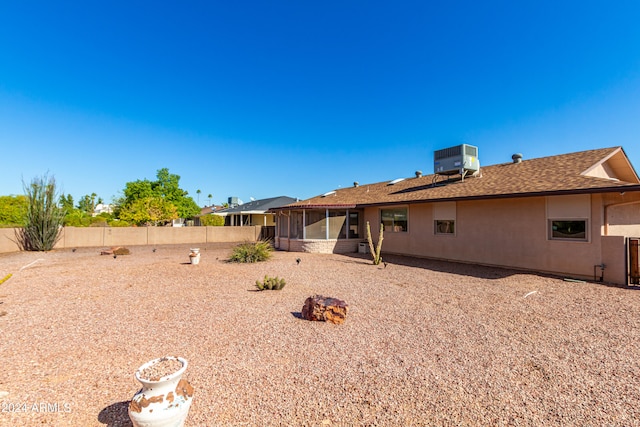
(616, 189)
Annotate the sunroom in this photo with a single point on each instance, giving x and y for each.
(319, 229)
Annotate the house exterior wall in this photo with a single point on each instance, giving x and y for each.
(623, 219)
(513, 233)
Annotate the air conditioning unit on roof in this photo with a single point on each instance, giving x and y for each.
(456, 160)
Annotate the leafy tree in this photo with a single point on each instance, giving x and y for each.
(87, 203)
(43, 218)
(66, 202)
(12, 210)
(149, 211)
(167, 188)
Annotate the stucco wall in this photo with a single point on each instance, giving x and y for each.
(76, 237)
(508, 233)
(623, 220)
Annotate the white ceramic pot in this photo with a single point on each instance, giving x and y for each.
(194, 256)
(161, 403)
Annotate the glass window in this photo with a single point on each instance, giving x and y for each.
(568, 229)
(445, 226)
(354, 225)
(394, 220)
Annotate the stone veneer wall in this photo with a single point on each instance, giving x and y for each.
(319, 246)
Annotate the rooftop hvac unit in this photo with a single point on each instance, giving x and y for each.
(456, 160)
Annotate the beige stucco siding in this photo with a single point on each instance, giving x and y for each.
(623, 219)
(502, 232)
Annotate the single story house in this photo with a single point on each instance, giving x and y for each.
(575, 215)
(255, 212)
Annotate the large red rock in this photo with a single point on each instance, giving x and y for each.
(325, 309)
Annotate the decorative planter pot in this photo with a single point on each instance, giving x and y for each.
(165, 398)
(194, 256)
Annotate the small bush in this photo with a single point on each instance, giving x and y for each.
(270, 283)
(252, 252)
(212, 220)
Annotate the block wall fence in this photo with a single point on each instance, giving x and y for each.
(78, 237)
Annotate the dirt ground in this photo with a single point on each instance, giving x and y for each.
(424, 343)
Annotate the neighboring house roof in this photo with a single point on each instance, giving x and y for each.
(257, 206)
(593, 171)
(210, 209)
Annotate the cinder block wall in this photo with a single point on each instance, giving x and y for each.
(78, 237)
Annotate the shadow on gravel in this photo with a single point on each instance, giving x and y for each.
(451, 267)
(116, 415)
(473, 270)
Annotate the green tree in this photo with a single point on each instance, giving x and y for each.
(166, 187)
(209, 197)
(66, 202)
(149, 211)
(198, 191)
(43, 218)
(13, 210)
(87, 203)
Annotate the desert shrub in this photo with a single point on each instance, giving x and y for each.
(76, 218)
(43, 218)
(212, 220)
(252, 252)
(270, 283)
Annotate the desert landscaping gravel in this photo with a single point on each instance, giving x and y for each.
(425, 343)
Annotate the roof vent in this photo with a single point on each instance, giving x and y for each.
(517, 158)
(418, 174)
(356, 184)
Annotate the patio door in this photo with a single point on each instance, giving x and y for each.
(633, 245)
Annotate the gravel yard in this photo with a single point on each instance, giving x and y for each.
(425, 343)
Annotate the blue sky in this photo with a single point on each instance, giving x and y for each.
(261, 99)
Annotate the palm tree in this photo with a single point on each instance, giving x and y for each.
(209, 197)
(198, 191)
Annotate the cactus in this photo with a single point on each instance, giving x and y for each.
(375, 252)
(270, 283)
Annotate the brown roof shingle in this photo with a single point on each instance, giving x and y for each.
(547, 175)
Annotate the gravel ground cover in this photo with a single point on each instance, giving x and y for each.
(425, 343)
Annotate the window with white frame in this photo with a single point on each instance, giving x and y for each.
(394, 220)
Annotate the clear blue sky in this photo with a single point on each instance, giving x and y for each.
(268, 98)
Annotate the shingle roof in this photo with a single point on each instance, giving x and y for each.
(261, 205)
(566, 173)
